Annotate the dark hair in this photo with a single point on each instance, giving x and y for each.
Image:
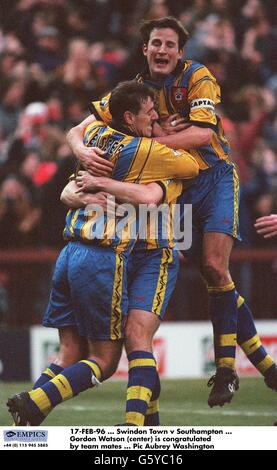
(128, 96)
(147, 27)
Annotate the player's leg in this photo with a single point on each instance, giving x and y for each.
(142, 375)
(72, 348)
(252, 346)
(59, 314)
(221, 208)
(93, 275)
(223, 310)
(220, 226)
(247, 336)
(156, 269)
(222, 297)
(223, 217)
(31, 408)
(214, 200)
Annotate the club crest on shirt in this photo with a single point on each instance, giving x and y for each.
(179, 96)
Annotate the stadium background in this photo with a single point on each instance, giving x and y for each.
(57, 55)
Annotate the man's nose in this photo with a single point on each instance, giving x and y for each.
(162, 49)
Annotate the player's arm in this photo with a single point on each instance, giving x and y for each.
(136, 194)
(203, 95)
(70, 198)
(267, 226)
(192, 137)
(89, 157)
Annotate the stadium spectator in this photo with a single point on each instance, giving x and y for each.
(19, 216)
(12, 94)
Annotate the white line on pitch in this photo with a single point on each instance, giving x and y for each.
(174, 410)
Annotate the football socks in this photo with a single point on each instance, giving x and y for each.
(249, 340)
(73, 380)
(141, 383)
(223, 311)
(49, 373)
(152, 417)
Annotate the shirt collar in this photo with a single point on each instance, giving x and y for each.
(146, 77)
(121, 128)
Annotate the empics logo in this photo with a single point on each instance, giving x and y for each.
(20, 435)
(10, 434)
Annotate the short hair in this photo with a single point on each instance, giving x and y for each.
(128, 96)
(147, 27)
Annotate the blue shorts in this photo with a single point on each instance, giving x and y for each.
(215, 201)
(89, 290)
(152, 275)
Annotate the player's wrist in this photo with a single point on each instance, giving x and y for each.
(101, 183)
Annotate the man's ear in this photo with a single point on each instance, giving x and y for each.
(144, 49)
(181, 53)
(128, 118)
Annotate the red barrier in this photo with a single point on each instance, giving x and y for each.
(49, 255)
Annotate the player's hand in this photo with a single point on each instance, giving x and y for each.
(267, 226)
(173, 124)
(93, 161)
(85, 182)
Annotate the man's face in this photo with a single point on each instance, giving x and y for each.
(162, 52)
(142, 123)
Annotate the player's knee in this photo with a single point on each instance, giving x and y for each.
(133, 331)
(69, 355)
(108, 370)
(137, 337)
(215, 273)
(108, 366)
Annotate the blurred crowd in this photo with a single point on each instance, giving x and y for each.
(57, 55)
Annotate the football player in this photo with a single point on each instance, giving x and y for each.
(89, 287)
(188, 95)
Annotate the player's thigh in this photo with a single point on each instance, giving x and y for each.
(98, 283)
(152, 276)
(194, 253)
(60, 309)
(215, 203)
(73, 347)
(219, 211)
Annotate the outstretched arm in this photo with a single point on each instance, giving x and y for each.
(267, 226)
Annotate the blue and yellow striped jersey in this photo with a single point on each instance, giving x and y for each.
(136, 160)
(192, 92)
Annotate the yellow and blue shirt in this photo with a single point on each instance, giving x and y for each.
(136, 160)
(192, 92)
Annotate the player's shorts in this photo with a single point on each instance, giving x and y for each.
(152, 275)
(89, 291)
(215, 201)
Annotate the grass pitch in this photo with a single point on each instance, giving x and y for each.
(182, 403)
